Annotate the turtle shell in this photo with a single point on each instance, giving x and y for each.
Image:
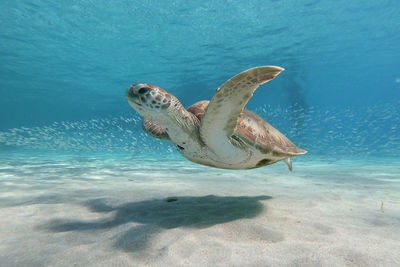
(255, 131)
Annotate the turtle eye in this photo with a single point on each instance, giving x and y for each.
(143, 90)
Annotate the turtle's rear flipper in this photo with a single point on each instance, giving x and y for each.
(288, 163)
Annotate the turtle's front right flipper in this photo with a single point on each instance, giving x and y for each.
(220, 119)
(155, 130)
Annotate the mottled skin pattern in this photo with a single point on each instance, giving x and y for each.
(218, 133)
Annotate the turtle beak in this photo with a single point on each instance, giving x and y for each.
(132, 96)
(132, 91)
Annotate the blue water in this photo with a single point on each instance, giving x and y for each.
(64, 120)
(71, 62)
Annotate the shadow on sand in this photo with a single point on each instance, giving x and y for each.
(158, 215)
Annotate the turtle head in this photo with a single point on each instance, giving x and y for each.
(162, 109)
(150, 100)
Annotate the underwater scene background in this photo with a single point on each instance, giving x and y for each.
(79, 176)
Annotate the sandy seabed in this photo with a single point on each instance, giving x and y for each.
(145, 212)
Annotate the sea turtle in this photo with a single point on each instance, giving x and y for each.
(218, 133)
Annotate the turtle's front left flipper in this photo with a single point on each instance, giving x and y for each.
(154, 130)
(228, 102)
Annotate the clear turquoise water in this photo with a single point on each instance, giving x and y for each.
(70, 62)
(64, 119)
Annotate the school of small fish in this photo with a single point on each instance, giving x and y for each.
(330, 133)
